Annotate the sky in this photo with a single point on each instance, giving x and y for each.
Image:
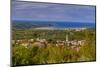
(35, 11)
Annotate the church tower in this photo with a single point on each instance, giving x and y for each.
(66, 37)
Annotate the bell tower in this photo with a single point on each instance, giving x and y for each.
(66, 37)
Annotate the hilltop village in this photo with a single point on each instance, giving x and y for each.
(43, 42)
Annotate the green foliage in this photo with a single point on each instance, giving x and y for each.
(88, 52)
(51, 54)
(21, 55)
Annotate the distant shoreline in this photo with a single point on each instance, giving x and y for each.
(53, 28)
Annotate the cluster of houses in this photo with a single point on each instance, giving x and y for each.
(74, 44)
(31, 42)
(71, 43)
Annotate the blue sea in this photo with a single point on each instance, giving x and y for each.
(74, 25)
(57, 24)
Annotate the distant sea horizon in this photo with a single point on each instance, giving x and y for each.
(55, 24)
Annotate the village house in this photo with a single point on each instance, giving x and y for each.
(41, 42)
